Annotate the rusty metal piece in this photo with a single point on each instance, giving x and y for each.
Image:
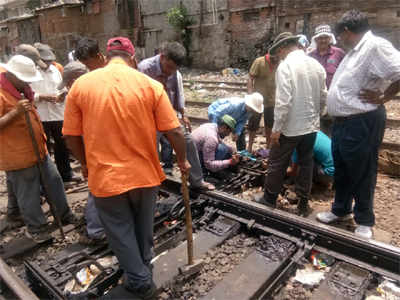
(15, 283)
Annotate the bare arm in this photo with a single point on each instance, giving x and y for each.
(250, 84)
(252, 135)
(77, 147)
(376, 97)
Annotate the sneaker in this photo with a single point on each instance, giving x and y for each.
(364, 232)
(168, 171)
(328, 217)
(38, 237)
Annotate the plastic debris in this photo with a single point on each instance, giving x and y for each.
(321, 260)
(309, 276)
(389, 290)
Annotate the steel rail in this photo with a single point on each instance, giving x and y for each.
(16, 285)
(190, 81)
(378, 257)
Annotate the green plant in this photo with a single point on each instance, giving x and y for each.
(180, 20)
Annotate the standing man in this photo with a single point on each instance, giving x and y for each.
(17, 155)
(50, 106)
(329, 57)
(87, 51)
(111, 120)
(164, 68)
(241, 109)
(262, 80)
(368, 76)
(300, 93)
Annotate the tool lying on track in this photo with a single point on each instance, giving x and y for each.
(43, 175)
(193, 266)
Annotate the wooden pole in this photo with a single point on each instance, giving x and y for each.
(188, 213)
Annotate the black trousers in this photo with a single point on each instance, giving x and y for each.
(61, 154)
(355, 146)
(279, 159)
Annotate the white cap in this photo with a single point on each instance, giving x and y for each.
(23, 68)
(255, 101)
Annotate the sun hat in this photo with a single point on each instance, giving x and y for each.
(281, 39)
(23, 68)
(320, 31)
(30, 52)
(72, 70)
(46, 52)
(122, 44)
(228, 120)
(255, 101)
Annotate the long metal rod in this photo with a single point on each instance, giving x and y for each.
(188, 214)
(16, 285)
(43, 175)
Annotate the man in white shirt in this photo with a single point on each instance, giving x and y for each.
(368, 76)
(300, 93)
(50, 105)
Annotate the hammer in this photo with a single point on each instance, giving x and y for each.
(42, 174)
(193, 266)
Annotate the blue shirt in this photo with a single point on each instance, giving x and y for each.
(322, 153)
(235, 107)
(152, 67)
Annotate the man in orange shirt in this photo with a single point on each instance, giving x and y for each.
(110, 125)
(17, 156)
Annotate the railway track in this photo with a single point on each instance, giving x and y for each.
(216, 85)
(250, 251)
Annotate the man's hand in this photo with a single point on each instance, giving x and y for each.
(235, 160)
(23, 105)
(184, 167)
(84, 171)
(373, 97)
(274, 139)
(61, 97)
(235, 137)
(48, 98)
(186, 122)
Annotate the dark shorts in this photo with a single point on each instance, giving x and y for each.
(254, 121)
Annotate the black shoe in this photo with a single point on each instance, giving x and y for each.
(147, 291)
(260, 198)
(38, 237)
(303, 209)
(71, 218)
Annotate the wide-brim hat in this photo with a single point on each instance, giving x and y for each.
(72, 70)
(23, 68)
(46, 52)
(322, 30)
(255, 101)
(280, 40)
(30, 52)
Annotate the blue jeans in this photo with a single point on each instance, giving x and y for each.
(25, 183)
(221, 153)
(166, 152)
(355, 146)
(93, 224)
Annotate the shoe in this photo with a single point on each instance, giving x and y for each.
(328, 217)
(14, 221)
(205, 186)
(38, 237)
(168, 171)
(303, 208)
(84, 239)
(71, 218)
(147, 291)
(364, 232)
(260, 198)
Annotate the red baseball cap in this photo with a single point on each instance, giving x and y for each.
(123, 44)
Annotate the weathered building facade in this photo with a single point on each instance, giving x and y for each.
(224, 32)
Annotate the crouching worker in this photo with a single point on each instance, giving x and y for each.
(240, 109)
(17, 155)
(213, 153)
(324, 168)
